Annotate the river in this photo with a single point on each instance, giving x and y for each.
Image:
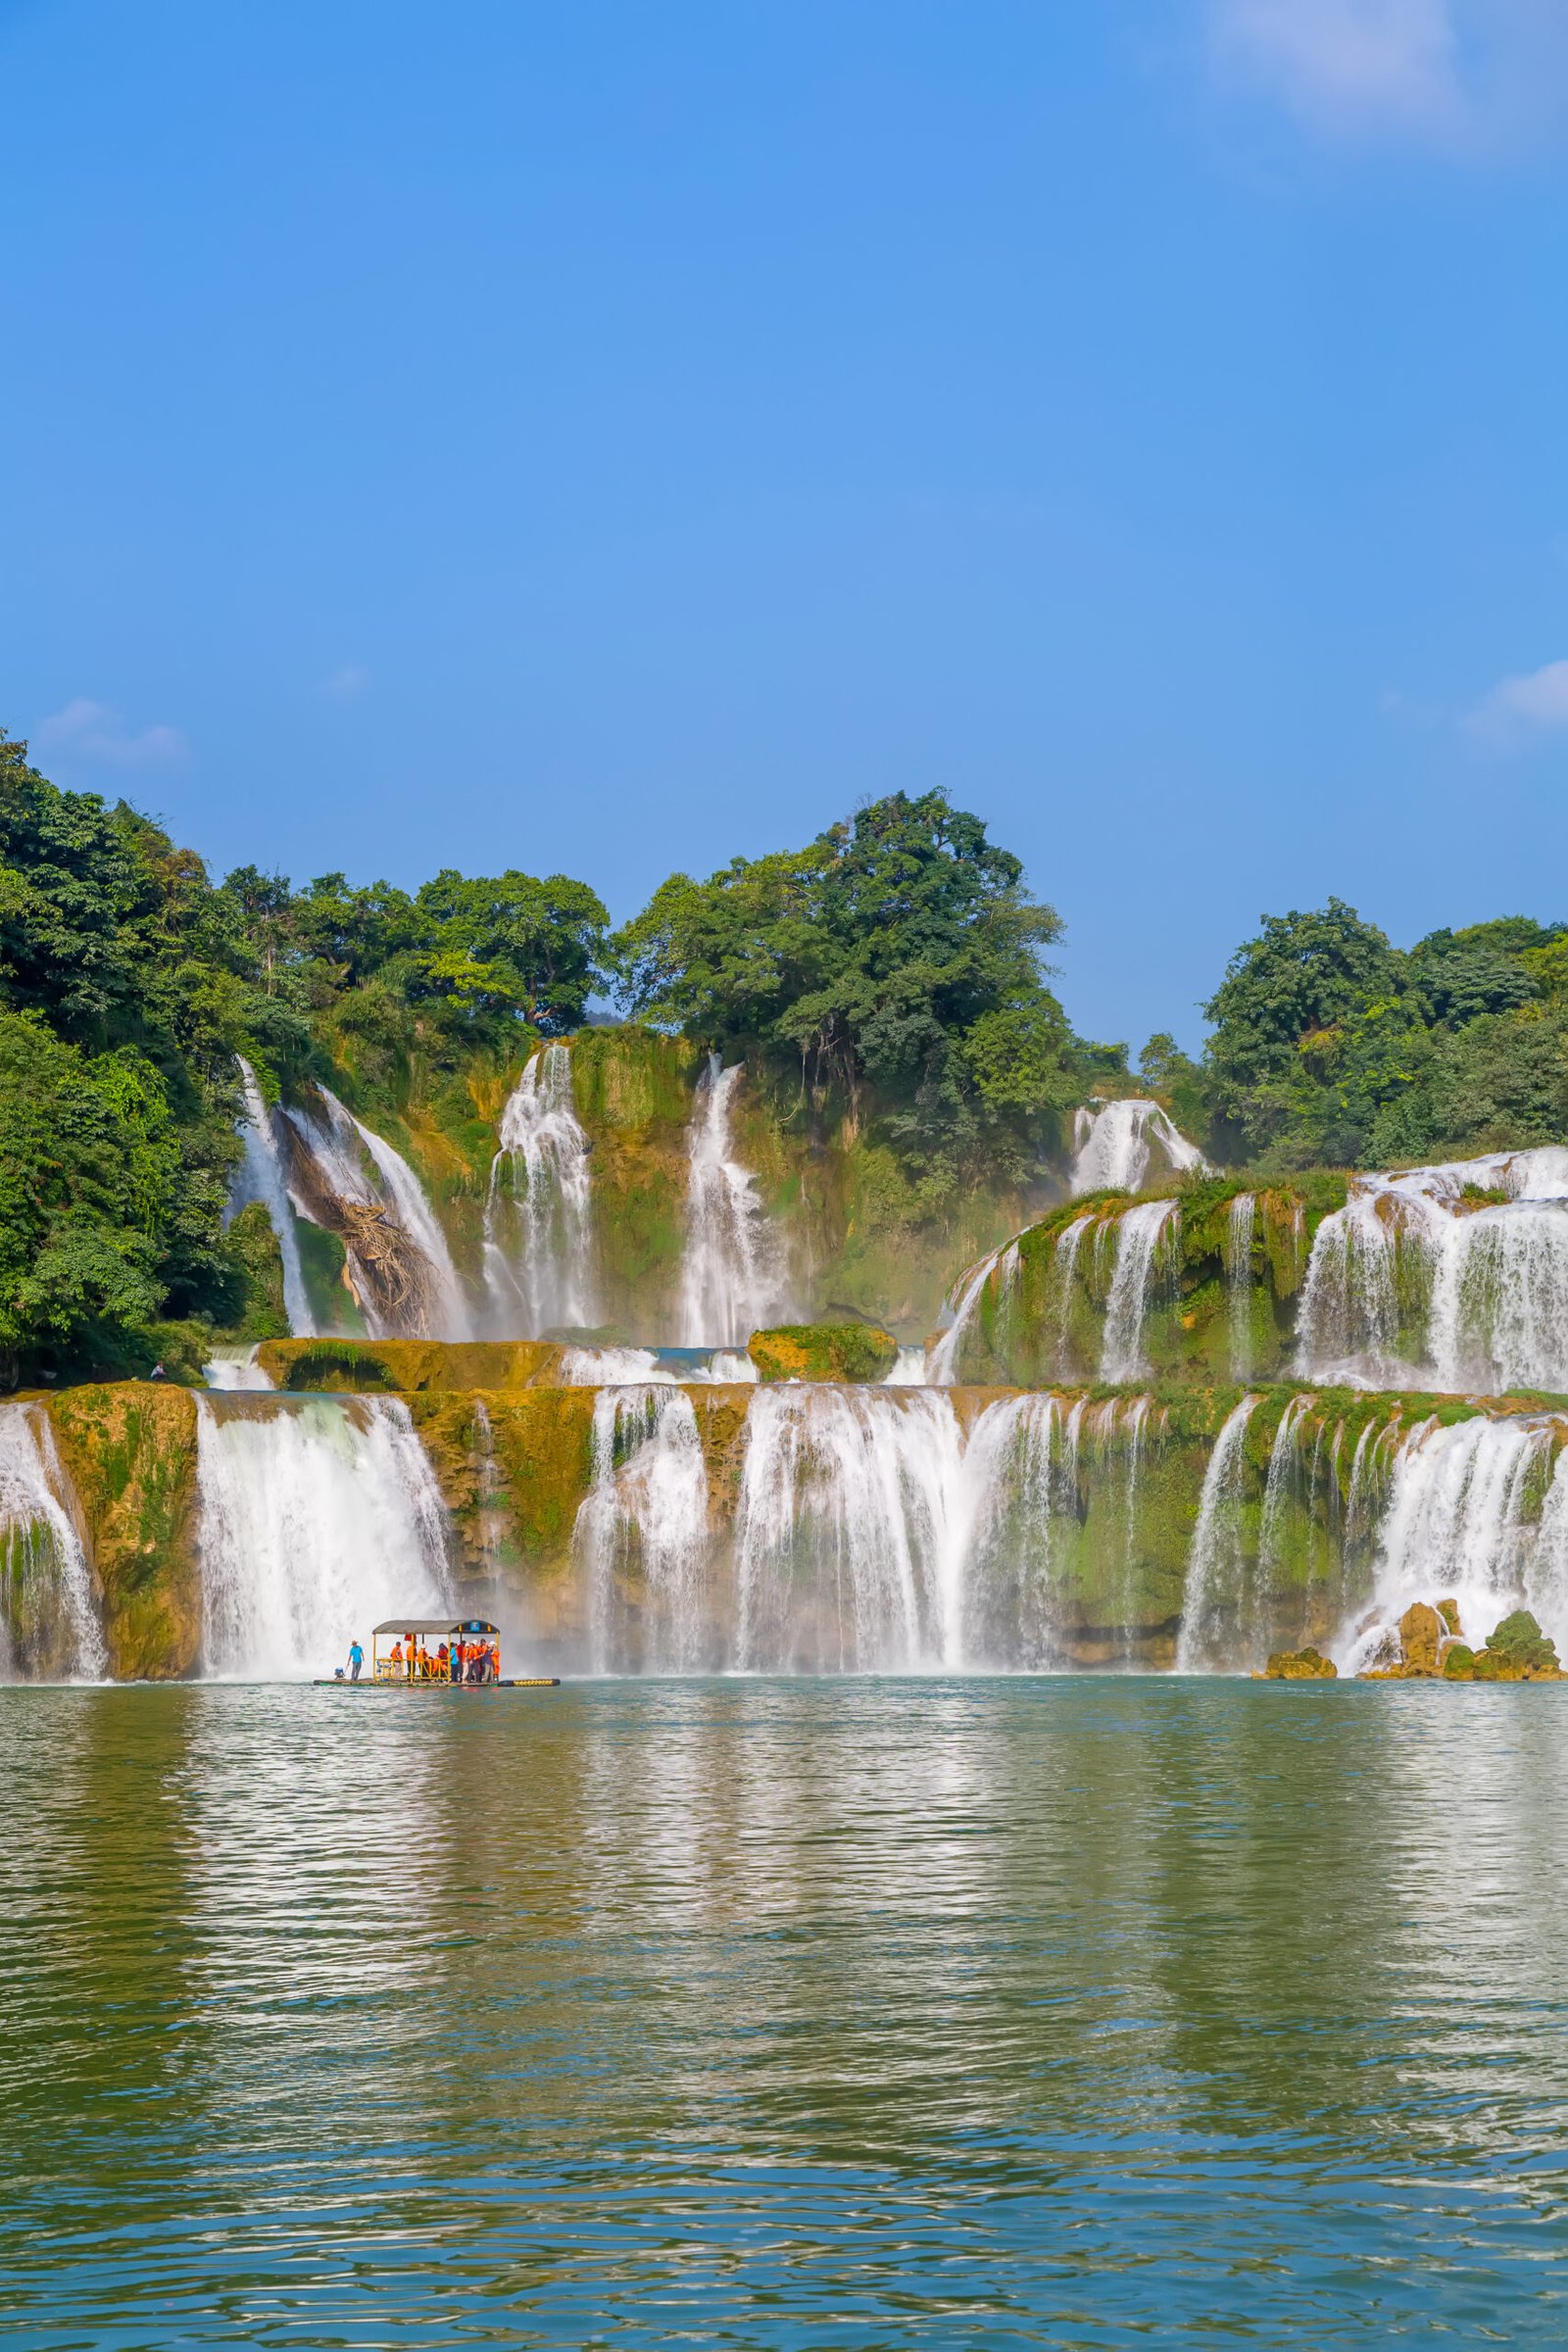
(783, 2014)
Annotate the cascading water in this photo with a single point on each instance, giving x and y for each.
(846, 1541)
(235, 1369)
(1240, 1225)
(333, 1148)
(261, 1178)
(317, 1519)
(1114, 1143)
(49, 1628)
(1452, 1277)
(1455, 1526)
(646, 1513)
(943, 1356)
(1213, 1606)
(540, 1182)
(733, 1278)
(629, 1367)
(1145, 1236)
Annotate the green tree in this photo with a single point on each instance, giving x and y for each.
(1312, 1026)
(899, 952)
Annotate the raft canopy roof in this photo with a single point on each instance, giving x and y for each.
(435, 1625)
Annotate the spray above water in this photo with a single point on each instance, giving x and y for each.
(646, 1517)
(316, 1519)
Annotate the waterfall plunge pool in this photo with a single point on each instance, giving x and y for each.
(992, 2013)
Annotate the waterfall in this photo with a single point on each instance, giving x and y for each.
(647, 1511)
(449, 1318)
(1145, 1234)
(1455, 1526)
(733, 1279)
(1239, 1232)
(261, 1178)
(943, 1358)
(909, 1369)
(1113, 1144)
(316, 1520)
(849, 1536)
(633, 1367)
(333, 1180)
(233, 1369)
(1453, 1277)
(49, 1628)
(1020, 1500)
(1213, 1606)
(543, 1160)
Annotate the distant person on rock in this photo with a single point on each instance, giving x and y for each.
(356, 1661)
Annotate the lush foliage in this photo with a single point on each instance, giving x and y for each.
(128, 986)
(893, 963)
(1333, 1046)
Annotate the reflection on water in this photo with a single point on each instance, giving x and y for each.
(774, 2014)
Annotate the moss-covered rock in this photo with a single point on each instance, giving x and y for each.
(129, 1452)
(845, 1352)
(1518, 1651)
(1299, 1666)
(1222, 1300)
(402, 1367)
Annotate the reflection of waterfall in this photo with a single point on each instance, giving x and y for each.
(316, 1520)
(1114, 1143)
(1453, 1277)
(1213, 1608)
(49, 1625)
(261, 1178)
(646, 1514)
(539, 1179)
(405, 1283)
(733, 1278)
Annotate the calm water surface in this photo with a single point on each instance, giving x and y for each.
(1062, 2012)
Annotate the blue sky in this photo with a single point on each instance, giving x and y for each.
(607, 438)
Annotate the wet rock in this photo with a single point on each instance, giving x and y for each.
(1518, 1652)
(1422, 1633)
(1449, 1611)
(1299, 1666)
(1458, 1663)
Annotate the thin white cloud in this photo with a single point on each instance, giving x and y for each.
(88, 730)
(1346, 65)
(1481, 76)
(1534, 704)
(347, 683)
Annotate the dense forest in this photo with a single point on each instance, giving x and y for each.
(892, 972)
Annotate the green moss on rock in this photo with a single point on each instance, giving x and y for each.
(847, 1351)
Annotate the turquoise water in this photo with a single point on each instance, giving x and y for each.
(1063, 2012)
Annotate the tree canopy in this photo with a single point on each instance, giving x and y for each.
(896, 956)
(1333, 1046)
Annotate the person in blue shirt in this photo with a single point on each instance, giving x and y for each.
(356, 1661)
